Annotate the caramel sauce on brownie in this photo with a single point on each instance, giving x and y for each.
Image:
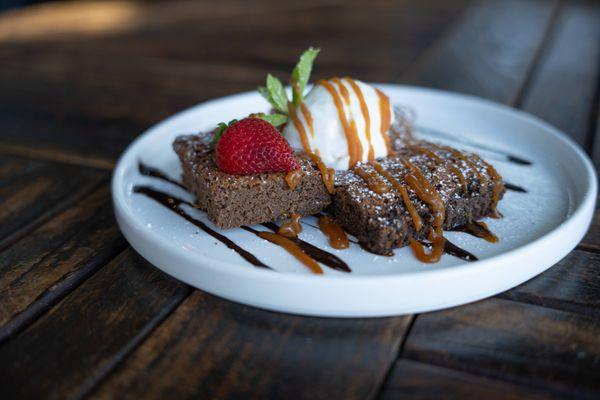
(479, 229)
(292, 228)
(498, 187)
(416, 218)
(465, 159)
(437, 248)
(430, 196)
(327, 174)
(365, 112)
(293, 177)
(386, 118)
(426, 192)
(293, 249)
(337, 237)
(373, 181)
(354, 145)
(439, 160)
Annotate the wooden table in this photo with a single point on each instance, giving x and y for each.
(82, 315)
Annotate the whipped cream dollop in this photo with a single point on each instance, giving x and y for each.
(343, 121)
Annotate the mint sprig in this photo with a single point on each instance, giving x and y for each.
(274, 92)
(301, 74)
(275, 119)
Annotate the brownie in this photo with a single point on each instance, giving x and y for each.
(381, 222)
(234, 200)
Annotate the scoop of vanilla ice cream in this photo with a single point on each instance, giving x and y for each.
(329, 139)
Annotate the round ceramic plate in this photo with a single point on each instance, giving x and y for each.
(538, 229)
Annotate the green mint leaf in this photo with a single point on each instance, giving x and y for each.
(301, 74)
(277, 94)
(264, 92)
(274, 119)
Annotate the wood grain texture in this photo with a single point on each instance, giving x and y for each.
(32, 191)
(87, 110)
(573, 284)
(89, 331)
(490, 52)
(417, 381)
(591, 240)
(526, 344)
(212, 348)
(177, 54)
(566, 74)
(54, 258)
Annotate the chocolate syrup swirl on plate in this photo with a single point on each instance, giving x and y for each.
(316, 254)
(174, 203)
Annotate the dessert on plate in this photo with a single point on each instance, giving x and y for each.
(341, 150)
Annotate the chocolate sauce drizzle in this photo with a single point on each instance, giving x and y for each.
(330, 260)
(322, 256)
(514, 188)
(155, 173)
(174, 203)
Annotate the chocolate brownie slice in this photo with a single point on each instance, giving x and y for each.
(234, 200)
(382, 222)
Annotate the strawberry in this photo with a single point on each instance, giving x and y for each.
(253, 146)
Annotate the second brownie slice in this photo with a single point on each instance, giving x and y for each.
(234, 200)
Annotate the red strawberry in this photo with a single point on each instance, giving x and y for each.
(253, 146)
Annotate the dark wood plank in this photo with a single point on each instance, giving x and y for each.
(571, 285)
(564, 83)
(40, 269)
(491, 52)
(417, 381)
(591, 241)
(89, 331)
(526, 344)
(212, 348)
(32, 191)
(87, 110)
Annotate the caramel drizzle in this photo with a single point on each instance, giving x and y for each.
(465, 159)
(292, 228)
(416, 218)
(430, 196)
(479, 229)
(365, 112)
(343, 90)
(293, 249)
(354, 145)
(293, 177)
(308, 117)
(337, 237)
(437, 248)
(439, 160)
(327, 174)
(496, 179)
(426, 192)
(386, 119)
(498, 188)
(373, 181)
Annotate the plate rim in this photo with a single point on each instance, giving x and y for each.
(582, 212)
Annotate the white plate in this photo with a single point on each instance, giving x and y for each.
(538, 228)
